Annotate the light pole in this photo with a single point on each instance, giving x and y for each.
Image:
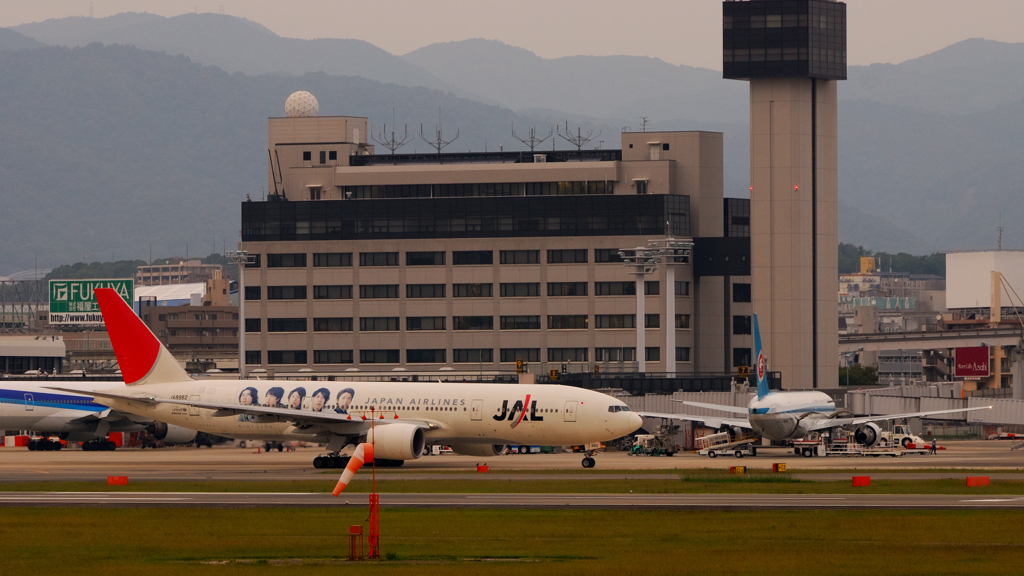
(641, 262)
(242, 258)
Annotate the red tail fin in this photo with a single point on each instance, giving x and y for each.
(139, 353)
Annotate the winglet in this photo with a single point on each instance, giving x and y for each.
(140, 356)
(761, 363)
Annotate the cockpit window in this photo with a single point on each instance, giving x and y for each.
(618, 408)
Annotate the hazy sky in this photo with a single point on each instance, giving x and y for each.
(677, 31)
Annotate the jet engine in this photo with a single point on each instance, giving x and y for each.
(396, 441)
(478, 449)
(171, 434)
(868, 434)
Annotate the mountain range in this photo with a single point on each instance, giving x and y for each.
(101, 134)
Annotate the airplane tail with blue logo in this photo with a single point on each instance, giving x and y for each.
(761, 365)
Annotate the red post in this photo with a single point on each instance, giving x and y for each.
(355, 542)
(374, 527)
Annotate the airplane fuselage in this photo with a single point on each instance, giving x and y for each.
(788, 415)
(469, 413)
(31, 406)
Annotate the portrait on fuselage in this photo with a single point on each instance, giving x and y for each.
(320, 399)
(295, 398)
(273, 397)
(249, 397)
(344, 399)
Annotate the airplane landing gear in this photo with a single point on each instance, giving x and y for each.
(331, 461)
(588, 460)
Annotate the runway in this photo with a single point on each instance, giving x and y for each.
(510, 501)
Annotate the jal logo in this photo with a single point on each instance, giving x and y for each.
(761, 362)
(517, 413)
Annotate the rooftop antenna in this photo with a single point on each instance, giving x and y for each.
(393, 143)
(438, 143)
(532, 141)
(643, 122)
(1000, 229)
(579, 140)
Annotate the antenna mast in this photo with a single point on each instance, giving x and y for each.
(532, 141)
(392, 143)
(579, 140)
(438, 143)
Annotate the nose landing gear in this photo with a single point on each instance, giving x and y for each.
(588, 460)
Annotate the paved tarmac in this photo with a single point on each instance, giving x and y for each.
(509, 501)
(228, 463)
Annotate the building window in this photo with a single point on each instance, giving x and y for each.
(568, 322)
(741, 292)
(641, 186)
(567, 256)
(332, 356)
(520, 257)
(602, 321)
(475, 355)
(683, 321)
(255, 262)
(433, 356)
(286, 292)
(652, 321)
(741, 325)
(471, 257)
(524, 354)
(652, 288)
(615, 354)
(307, 156)
(378, 291)
(286, 324)
(520, 289)
(425, 323)
(286, 260)
(378, 356)
(741, 357)
(378, 324)
(520, 323)
(332, 325)
(683, 354)
(333, 292)
(252, 324)
(567, 288)
(323, 156)
(473, 322)
(424, 258)
(253, 292)
(378, 258)
(603, 255)
(664, 146)
(567, 354)
(682, 288)
(332, 259)
(286, 357)
(332, 155)
(472, 290)
(253, 357)
(652, 354)
(614, 288)
(424, 290)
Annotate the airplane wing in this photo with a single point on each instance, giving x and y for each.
(719, 407)
(710, 421)
(264, 414)
(824, 424)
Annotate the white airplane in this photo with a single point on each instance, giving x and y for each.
(71, 414)
(792, 415)
(398, 417)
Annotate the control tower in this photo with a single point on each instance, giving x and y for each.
(792, 52)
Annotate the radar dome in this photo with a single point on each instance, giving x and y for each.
(301, 104)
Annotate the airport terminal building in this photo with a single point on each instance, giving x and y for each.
(475, 261)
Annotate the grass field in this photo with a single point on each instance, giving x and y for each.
(155, 542)
(690, 482)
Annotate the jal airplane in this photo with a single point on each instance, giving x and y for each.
(399, 418)
(792, 415)
(71, 414)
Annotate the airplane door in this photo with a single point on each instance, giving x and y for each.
(570, 410)
(193, 410)
(29, 403)
(476, 410)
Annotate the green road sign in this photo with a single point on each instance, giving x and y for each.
(74, 302)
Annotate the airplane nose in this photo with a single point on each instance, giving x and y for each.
(635, 422)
